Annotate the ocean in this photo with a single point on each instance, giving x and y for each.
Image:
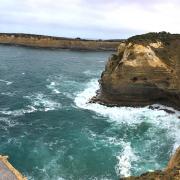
(50, 131)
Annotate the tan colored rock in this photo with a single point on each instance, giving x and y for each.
(58, 42)
(121, 47)
(174, 161)
(144, 71)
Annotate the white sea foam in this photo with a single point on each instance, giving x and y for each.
(41, 102)
(7, 82)
(127, 115)
(18, 112)
(8, 94)
(61, 85)
(55, 83)
(125, 159)
(7, 122)
(38, 102)
(158, 117)
(53, 86)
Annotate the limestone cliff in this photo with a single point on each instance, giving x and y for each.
(172, 172)
(58, 42)
(145, 70)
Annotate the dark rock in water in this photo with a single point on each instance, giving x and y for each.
(170, 111)
(145, 70)
(172, 172)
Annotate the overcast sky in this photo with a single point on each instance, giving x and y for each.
(89, 18)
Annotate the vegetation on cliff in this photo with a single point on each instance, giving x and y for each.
(163, 36)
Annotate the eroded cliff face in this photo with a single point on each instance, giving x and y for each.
(172, 172)
(144, 71)
(58, 42)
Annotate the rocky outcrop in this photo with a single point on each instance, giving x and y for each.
(58, 42)
(145, 70)
(172, 172)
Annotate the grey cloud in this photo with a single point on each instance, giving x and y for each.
(83, 18)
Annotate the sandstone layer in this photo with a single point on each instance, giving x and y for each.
(172, 172)
(145, 70)
(58, 42)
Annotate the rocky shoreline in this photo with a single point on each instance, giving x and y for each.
(42, 41)
(145, 71)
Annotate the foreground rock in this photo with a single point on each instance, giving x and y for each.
(172, 172)
(145, 70)
(58, 42)
(8, 172)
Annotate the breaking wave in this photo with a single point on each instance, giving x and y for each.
(38, 102)
(125, 158)
(158, 117)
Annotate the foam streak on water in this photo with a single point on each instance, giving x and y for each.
(123, 167)
(7, 82)
(53, 87)
(38, 102)
(43, 103)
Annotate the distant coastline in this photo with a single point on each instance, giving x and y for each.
(42, 41)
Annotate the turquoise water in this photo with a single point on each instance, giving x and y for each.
(51, 132)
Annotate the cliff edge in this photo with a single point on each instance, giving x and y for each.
(32, 40)
(145, 70)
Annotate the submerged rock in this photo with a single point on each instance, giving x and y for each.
(145, 70)
(172, 172)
